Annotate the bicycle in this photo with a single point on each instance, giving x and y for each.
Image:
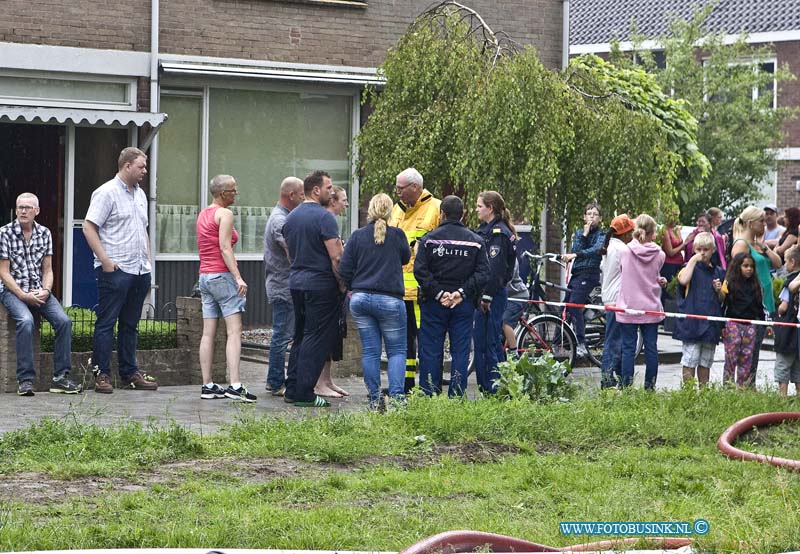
(548, 330)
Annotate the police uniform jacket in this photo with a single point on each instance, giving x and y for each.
(451, 258)
(498, 239)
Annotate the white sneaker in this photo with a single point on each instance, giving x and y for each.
(581, 351)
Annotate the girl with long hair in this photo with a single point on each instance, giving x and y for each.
(743, 300)
(497, 232)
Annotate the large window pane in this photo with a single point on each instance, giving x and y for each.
(261, 137)
(178, 192)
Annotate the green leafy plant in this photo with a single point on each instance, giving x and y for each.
(539, 378)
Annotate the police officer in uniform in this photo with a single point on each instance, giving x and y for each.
(452, 269)
(497, 233)
(416, 213)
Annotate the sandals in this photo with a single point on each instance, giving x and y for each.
(318, 402)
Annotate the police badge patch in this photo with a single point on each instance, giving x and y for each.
(494, 251)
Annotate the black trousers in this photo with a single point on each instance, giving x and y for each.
(316, 327)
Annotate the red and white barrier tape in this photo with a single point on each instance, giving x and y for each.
(656, 313)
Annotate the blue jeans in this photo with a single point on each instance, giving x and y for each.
(629, 339)
(282, 331)
(436, 320)
(612, 352)
(381, 316)
(487, 341)
(581, 287)
(22, 314)
(120, 297)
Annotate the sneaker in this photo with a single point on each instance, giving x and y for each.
(139, 381)
(240, 394)
(65, 385)
(581, 351)
(102, 383)
(25, 388)
(212, 392)
(318, 402)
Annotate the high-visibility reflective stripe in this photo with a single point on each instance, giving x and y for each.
(417, 314)
(411, 374)
(411, 362)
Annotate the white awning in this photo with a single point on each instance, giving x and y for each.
(77, 116)
(275, 71)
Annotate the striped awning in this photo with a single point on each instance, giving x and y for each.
(77, 116)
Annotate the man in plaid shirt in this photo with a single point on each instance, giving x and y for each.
(26, 271)
(116, 229)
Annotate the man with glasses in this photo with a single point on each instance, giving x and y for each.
(416, 213)
(116, 229)
(26, 271)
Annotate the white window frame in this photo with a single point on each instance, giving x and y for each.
(193, 86)
(754, 62)
(129, 83)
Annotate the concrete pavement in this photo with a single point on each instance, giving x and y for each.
(182, 404)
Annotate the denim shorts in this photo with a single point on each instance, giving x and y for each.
(787, 368)
(219, 294)
(698, 354)
(512, 312)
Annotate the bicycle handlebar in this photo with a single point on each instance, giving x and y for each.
(547, 256)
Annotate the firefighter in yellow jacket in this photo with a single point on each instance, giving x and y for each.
(416, 213)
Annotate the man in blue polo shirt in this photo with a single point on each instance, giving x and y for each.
(312, 236)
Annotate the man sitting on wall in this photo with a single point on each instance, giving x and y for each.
(26, 271)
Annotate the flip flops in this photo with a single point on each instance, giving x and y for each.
(318, 402)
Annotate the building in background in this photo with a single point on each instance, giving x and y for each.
(773, 23)
(259, 89)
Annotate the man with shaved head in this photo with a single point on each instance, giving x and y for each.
(276, 269)
(26, 271)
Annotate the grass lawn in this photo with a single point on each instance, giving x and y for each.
(365, 481)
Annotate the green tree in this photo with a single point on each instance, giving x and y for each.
(737, 132)
(474, 112)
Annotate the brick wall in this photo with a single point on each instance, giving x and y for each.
(788, 173)
(788, 53)
(78, 23)
(295, 32)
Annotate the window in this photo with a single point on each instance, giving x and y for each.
(260, 137)
(96, 152)
(31, 89)
(179, 174)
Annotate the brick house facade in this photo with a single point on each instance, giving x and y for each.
(259, 89)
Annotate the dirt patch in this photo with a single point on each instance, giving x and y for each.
(38, 488)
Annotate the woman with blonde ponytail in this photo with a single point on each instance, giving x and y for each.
(640, 289)
(372, 268)
(748, 236)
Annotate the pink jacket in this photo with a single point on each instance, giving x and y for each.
(639, 289)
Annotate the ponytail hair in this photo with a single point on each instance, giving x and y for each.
(748, 215)
(496, 202)
(645, 228)
(380, 206)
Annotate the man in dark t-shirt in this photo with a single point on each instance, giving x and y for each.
(312, 237)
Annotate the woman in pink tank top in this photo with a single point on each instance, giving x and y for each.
(222, 289)
(672, 244)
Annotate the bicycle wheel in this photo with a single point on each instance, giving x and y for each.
(547, 333)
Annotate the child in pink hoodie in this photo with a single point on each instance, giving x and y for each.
(640, 289)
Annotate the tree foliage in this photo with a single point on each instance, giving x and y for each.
(474, 112)
(737, 132)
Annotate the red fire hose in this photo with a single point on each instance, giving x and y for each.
(726, 440)
(468, 541)
(453, 542)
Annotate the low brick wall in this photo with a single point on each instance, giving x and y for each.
(176, 366)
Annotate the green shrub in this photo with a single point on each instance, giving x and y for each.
(539, 378)
(153, 334)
